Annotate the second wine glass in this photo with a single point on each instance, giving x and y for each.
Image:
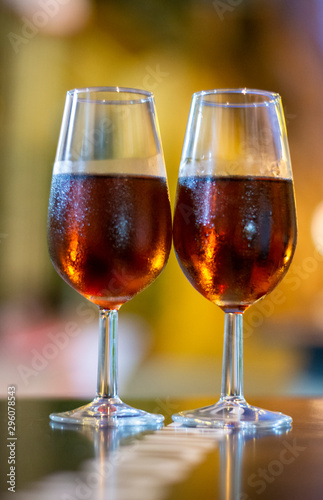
(235, 226)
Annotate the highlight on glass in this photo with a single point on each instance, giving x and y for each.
(234, 227)
(104, 237)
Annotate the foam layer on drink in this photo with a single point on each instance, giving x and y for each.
(151, 166)
(255, 167)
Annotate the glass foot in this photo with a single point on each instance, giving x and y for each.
(108, 412)
(232, 412)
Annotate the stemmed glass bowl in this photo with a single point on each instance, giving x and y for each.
(235, 226)
(109, 223)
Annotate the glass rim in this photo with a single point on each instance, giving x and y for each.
(268, 97)
(142, 95)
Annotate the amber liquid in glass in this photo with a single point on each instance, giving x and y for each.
(234, 236)
(109, 236)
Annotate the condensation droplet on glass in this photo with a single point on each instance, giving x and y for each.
(275, 170)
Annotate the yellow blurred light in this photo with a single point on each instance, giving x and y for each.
(317, 227)
(73, 252)
(288, 255)
(53, 17)
(207, 266)
(158, 261)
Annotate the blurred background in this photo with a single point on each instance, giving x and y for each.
(170, 337)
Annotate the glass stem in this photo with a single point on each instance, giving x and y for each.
(232, 368)
(107, 384)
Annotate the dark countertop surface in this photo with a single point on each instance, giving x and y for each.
(82, 463)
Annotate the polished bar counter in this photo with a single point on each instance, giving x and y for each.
(42, 460)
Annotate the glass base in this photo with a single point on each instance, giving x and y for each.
(235, 413)
(108, 412)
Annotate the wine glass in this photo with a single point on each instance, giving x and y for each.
(234, 226)
(109, 223)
